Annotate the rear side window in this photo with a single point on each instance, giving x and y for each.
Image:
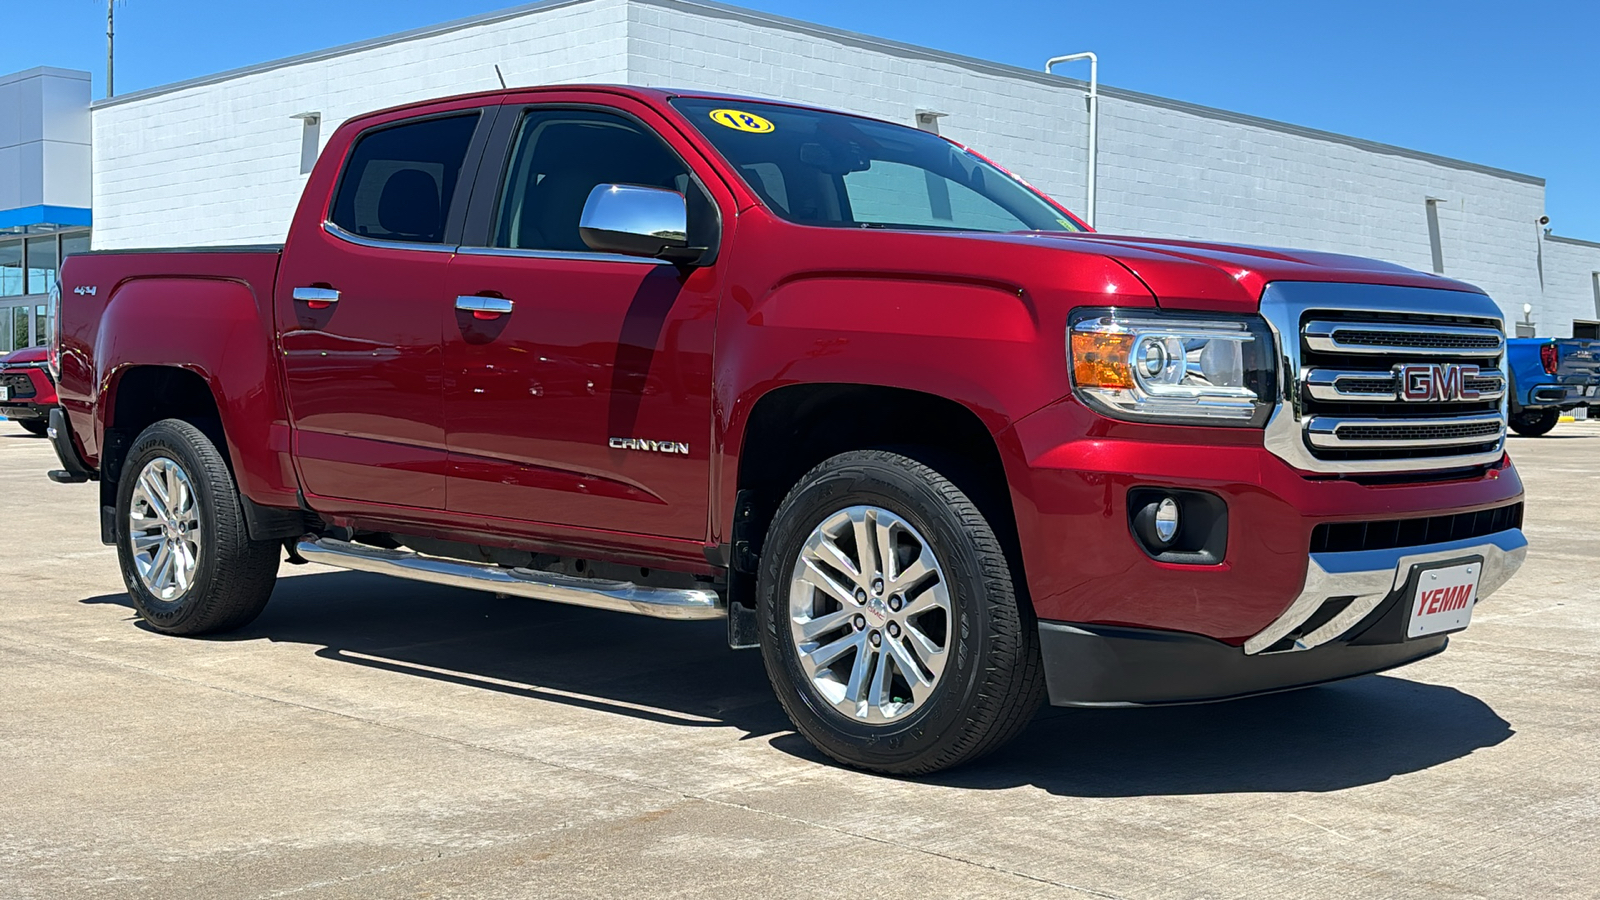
(399, 180)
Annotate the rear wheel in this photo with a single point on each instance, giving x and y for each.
(34, 427)
(1534, 422)
(890, 625)
(185, 553)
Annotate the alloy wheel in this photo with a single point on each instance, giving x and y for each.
(164, 528)
(869, 612)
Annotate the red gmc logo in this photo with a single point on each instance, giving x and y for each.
(1435, 383)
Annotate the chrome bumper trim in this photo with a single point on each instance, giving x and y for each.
(1370, 576)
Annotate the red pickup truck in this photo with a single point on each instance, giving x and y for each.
(934, 447)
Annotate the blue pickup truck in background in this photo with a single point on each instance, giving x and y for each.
(1549, 376)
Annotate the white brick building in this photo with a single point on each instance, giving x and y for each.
(219, 159)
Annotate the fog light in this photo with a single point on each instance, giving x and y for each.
(1166, 520)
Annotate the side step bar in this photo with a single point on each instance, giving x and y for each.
(621, 596)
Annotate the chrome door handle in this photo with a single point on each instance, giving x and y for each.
(315, 297)
(484, 307)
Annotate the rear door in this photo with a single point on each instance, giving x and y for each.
(587, 401)
(360, 299)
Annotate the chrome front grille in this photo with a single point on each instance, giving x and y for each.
(1386, 379)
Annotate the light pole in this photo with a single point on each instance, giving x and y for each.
(1094, 120)
(110, 38)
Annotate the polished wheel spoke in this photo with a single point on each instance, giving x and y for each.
(818, 659)
(164, 528)
(815, 577)
(811, 629)
(889, 616)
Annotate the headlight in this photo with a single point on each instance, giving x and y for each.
(1146, 366)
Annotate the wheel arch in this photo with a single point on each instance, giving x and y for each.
(792, 429)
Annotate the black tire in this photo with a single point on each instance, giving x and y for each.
(233, 575)
(1534, 422)
(993, 681)
(34, 427)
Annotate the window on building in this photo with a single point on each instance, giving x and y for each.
(19, 326)
(561, 156)
(76, 242)
(43, 260)
(11, 272)
(400, 180)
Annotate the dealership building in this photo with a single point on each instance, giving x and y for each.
(221, 159)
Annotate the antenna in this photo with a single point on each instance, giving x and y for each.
(500, 76)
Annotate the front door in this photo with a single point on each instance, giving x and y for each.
(578, 384)
(360, 302)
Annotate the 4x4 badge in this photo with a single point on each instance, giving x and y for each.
(88, 289)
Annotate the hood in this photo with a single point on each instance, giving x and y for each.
(25, 355)
(1230, 277)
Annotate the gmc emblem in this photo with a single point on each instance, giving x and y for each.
(1435, 383)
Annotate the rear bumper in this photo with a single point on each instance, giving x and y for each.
(73, 469)
(1564, 396)
(24, 412)
(1350, 619)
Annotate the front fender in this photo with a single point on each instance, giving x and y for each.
(213, 328)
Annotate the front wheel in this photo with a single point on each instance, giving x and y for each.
(1534, 422)
(185, 553)
(890, 624)
(35, 427)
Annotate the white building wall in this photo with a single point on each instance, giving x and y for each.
(218, 161)
(1571, 286)
(1166, 168)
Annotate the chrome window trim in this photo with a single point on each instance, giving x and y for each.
(1371, 576)
(1285, 303)
(377, 244)
(562, 254)
(1321, 336)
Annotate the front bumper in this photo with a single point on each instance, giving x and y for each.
(1350, 619)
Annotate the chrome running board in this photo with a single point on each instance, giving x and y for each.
(620, 596)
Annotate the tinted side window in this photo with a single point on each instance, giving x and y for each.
(399, 181)
(562, 155)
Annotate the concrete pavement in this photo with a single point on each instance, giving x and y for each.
(368, 737)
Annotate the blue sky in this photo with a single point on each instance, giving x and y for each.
(1513, 85)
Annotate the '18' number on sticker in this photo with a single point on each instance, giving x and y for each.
(739, 120)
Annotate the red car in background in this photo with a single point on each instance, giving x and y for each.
(27, 392)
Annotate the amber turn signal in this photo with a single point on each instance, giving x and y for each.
(1101, 360)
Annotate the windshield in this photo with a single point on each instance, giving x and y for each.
(821, 168)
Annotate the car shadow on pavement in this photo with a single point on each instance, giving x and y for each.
(1327, 738)
(1357, 732)
(679, 673)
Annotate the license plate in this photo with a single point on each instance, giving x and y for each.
(5, 394)
(1444, 598)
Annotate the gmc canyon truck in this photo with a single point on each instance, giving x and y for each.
(916, 433)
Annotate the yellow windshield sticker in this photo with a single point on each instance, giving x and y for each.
(739, 120)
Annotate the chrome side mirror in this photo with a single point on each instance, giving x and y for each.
(637, 221)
